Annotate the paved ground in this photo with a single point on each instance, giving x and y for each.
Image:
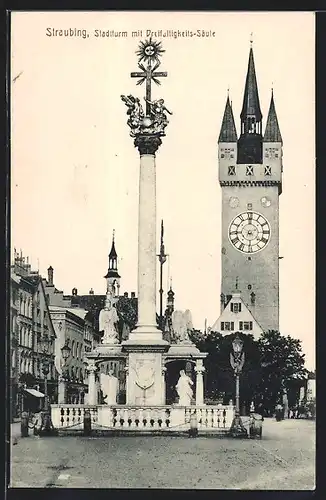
(283, 459)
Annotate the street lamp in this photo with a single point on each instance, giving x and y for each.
(47, 427)
(237, 358)
(65, 352)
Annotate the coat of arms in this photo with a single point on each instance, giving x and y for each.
(145, 373)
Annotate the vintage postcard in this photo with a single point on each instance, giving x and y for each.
(162, 250)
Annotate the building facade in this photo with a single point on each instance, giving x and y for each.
(30, 322)
(250, 176)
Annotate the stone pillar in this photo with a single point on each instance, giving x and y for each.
(92, 386)
(61, 391)
(163, 385)
(146, 329)
(199, 369)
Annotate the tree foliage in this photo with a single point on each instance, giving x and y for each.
(272, 362)
(282, 364)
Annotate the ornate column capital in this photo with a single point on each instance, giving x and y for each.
(91, 366)
(147, 144)
(199, 370)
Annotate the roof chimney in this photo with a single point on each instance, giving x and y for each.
(74, 291)
(132, 295)
(50, 276)
(91, 292)
(125, 294)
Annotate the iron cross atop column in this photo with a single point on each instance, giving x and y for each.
(149, 51)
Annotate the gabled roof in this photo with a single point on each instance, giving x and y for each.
(251, 104)
(227, 313)
(272, 130)
(228, 131)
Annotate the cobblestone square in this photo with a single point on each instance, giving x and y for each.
(283, 459)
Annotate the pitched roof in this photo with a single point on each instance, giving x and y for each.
(251, 105)
(272, 130)
(228, 131)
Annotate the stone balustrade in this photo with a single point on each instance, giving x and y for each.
(72, 416)
(147, 418)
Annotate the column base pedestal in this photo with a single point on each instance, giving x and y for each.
(145, 338)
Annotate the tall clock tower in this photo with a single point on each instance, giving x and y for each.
(250, 175)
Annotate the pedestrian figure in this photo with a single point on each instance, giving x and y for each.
(278, 412)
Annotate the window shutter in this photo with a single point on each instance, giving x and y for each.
(222, 325)
(250, 325)
(231, 306)
(232, 325)
(239, 307)
(240, 325)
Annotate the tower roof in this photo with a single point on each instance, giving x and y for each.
(228, 131)
(113, 253)
(251, 105)
(272, 130)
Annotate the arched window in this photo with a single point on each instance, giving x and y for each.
(73, 348)
(77, 350)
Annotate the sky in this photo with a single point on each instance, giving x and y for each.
(74, 169)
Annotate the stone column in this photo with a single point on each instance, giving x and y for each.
(146, 329)
(61, 391)
(163, 385)
(92, 386)
(199, 369)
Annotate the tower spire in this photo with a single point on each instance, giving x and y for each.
(228, 131)
(112, 276)
(250, 141)
(251, 104)
(272, 130)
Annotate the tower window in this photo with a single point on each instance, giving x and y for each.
(222, 155)
(249, 287)
(250, 170)
(249, 206)
(231, 170)
(268, 170)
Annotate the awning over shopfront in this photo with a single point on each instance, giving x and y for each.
(35, 393)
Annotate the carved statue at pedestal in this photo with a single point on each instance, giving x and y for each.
(109, 387)
(181, 325)
(107, 320)
(184, 389)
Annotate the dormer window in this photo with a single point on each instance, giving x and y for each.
(268, 170)
(250, 170)
(236, 307)
(231, 170)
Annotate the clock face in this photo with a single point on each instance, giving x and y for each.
(249, 232)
